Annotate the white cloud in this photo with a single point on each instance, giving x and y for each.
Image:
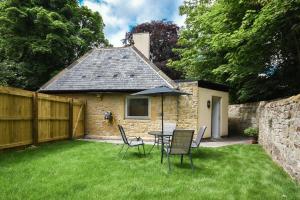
(119, 15)
(136, 3)
(116, 37)
(106, 12)
(115, 27)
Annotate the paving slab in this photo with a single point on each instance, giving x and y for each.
(205, 143)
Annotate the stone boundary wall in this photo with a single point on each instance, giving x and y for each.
(279, 129)
(242, 116)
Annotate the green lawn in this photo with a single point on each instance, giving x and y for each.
(90, 170)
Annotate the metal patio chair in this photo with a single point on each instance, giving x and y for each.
(196, 143)
(169, 127)
(130, 141)
(180, 145)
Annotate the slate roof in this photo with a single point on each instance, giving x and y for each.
(109, 69)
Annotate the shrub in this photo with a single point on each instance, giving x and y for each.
(251, 131)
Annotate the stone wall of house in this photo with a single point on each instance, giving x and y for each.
(188, 106)
(193, 111)
(184, 111)
(279, 129)
(98, 104)
(179, 110)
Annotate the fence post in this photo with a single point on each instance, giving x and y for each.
(35, 119)
(70, 118)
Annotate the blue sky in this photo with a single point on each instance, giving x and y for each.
(120, 15)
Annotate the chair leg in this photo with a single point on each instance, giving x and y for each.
(144, 149)
(181, 159)
(155, 142)
(139, 149)
(159, 141)
(152, 148)
(168, 156)
(191, 161)
(121, 148)
(125, 152)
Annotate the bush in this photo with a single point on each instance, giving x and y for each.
(251, 131)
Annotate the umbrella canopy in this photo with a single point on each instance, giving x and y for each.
(161, 91)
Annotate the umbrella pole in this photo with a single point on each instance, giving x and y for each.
(162, 128)
(162, 113)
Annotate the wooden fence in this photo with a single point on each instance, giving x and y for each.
(31, 118)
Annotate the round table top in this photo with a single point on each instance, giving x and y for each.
(159, 133)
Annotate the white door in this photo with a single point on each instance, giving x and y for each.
(215, 117)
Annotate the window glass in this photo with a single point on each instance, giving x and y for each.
(137, 107)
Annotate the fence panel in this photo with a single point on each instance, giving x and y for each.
(15, 117)
(21, 119)
(53, 117)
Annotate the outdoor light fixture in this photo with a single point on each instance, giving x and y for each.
(108, 115)
(208, 104)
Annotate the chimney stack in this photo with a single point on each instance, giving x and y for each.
(142, 43)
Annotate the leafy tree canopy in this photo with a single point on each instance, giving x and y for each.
(163, 38)
(251, 45)
(40, 37)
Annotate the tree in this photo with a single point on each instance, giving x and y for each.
(251, 45)
(163, 38)
(41, 37)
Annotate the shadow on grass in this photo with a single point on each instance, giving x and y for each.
(207, 154)
(185, 165)
(13, 156)
(131, 154)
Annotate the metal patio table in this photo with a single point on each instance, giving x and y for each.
(160, 134)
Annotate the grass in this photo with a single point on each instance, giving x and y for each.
(90, 170)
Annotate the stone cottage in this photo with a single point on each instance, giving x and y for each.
(105, 78)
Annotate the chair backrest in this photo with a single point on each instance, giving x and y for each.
(123, 134)
(181, 142)
(200, 135)
(169, 127)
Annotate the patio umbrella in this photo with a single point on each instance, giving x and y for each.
(161, 91)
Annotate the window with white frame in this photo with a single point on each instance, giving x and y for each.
(137, 107)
